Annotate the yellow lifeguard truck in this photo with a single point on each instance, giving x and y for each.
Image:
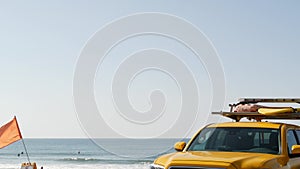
(253, 144)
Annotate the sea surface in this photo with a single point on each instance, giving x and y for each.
(85, 153)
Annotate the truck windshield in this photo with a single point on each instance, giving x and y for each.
(258, 140)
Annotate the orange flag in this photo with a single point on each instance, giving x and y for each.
(10, 133)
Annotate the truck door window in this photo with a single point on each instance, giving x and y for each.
(291, 140)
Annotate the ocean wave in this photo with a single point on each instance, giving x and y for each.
(102, 166)
(80, 159)
(80, 166)
(106, 161)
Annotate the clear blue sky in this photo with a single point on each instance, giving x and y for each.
(257, 42)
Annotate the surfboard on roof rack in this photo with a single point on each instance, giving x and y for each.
(248, 108)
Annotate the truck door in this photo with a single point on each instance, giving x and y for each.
(293, 138)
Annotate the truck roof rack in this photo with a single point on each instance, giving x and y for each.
(262, 112)
(268, 100)
(237, 116)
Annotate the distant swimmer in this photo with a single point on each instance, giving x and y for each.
(18, 154)
(22, 152)
(78, 152)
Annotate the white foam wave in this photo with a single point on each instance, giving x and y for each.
(80, 166)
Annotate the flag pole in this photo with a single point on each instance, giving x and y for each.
(26, 150)
(22, 140)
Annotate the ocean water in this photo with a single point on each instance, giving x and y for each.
(85, 153)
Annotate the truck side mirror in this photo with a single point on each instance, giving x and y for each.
(296, 150)
(179, 146)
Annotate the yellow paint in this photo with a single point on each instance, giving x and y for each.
(179, 146)
(274, 111)
(248, 124)
(296, 149)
